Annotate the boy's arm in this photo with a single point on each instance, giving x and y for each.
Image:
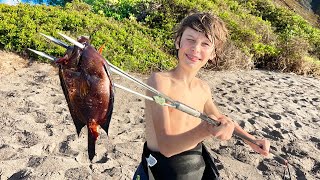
(212, 111)
(262, 142)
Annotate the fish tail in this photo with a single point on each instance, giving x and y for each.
(92, 138)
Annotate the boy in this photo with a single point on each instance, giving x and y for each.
(174, 148)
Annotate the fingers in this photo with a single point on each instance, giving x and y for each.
(225, 130)
(264, 147)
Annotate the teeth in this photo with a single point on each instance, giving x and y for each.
(43, 54)
(72, 41)
(60, 43)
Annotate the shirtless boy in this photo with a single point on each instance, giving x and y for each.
(174, 148)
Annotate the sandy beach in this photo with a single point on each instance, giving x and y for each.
(38, 139)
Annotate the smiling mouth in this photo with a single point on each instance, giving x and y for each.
(193, 58)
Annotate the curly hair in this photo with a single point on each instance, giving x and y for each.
(209, 24)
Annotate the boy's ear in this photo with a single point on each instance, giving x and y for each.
(177, 43)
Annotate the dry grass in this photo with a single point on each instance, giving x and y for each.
(294, 6)
(232, 59)
(295, 58)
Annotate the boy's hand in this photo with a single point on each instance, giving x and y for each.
(264, 147)
(224, 131)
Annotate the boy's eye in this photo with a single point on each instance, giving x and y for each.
(190, 40)
(206, 44)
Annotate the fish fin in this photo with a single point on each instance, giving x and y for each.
(91, 146)
(79, 125)
(92, 138)
(101, 48)
(107, 69)
(105, 126)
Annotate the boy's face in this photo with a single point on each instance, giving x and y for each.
(195, 49)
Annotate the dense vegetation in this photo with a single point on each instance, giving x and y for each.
(138, 33)
(127, 43)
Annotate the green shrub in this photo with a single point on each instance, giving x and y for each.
(119, 9)
(126, 45)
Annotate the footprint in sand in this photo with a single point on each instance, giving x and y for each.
(65, 149)
(77, 173)
(234, 91)
(27, 138)
(112, 171)
(41, 117)
(221, 104)
(219, 89)
(261, 114)
(35, 161)
(275, 116)
(252, 121)
(7, 152)
(49, 129)
(274, 134)
(298, 125)
(103, 159)
(316, 168)
(293, 149)
(12, 94)
(278, 125)
(316, 141)
(40, 77)
(263, 167)
(291, 112)
(22, 174)
(27, 107)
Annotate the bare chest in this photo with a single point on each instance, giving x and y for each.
(194, 98)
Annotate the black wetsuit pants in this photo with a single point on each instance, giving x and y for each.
(189, 165)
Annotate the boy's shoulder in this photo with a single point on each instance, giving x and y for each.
(203, 84)
(159, 77)
(164, 81)
(160, 80)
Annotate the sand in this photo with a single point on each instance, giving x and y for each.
(38, 139)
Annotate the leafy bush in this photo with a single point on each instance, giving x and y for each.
(290, 29)
(118, 9)
(126, 45)
(295, 57)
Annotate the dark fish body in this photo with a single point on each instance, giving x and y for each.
(87, 86)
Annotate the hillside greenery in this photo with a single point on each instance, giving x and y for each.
(127, 43)
(138, 33)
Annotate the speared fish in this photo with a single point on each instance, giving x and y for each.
(86, 83)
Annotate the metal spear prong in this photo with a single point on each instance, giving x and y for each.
(60, 43)
(43, 54)
(72, 41)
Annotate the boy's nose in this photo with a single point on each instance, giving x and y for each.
(196, 47)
